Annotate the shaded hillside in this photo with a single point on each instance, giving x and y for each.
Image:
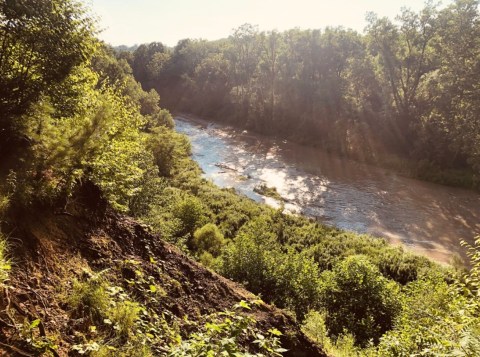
(54, 249)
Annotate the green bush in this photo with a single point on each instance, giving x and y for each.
(190, 212)
(246, 259)
(358, 299)
(288, 279)
(124, 314)
(401, 267)
(208, 260)
(296, 280)
(168, 148)
(208, 239)
(161, 117)
(89, 298)
(438, 318)
(314, 327)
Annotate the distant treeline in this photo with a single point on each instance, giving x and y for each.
(408, 88)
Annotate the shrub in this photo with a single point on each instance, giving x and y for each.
(206, 259)
(189, 211)
(400, 266)
(438, 318)
(288, 279)
(124, 314)
(296, 280)
(314, 327)
(161, 117)
(208, 239)
(359, 299)
(245, 261)
(230, 333)
(89, 297)
(168, 148)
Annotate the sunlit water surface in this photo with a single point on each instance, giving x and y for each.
(427, 218)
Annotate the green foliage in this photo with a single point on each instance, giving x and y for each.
(422, 327)
(168, 148)
(5, 264)
(246, 258)
(222, 333)
(268, 191)
(438, 318)
(86, 132)
(314, 327)
(161, 118)
(208, 239)
(124, 315)
(30, 332)
(358, 299)
(120, 158)
(42, 42)
(207, 260)
(190, 212)
(287, 278)
(89, 298)
(397, 91)
(343, 346)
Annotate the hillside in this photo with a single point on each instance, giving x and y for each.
(52, 250)
(113, 244)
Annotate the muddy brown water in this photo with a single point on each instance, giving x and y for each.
(426, 218)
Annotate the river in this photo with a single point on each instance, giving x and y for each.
(425, 218)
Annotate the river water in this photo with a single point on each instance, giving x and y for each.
(426, 218)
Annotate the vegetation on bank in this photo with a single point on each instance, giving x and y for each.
(402, 95)
(264, 190)
(88, 120)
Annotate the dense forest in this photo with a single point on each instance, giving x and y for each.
(82, 145)
(403, 95)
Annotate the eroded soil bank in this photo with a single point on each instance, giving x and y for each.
(53, 248)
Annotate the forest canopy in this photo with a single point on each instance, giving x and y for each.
(407, 88)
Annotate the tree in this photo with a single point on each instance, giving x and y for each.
(359, 299)
(450, 129)
(42, 41)
(405, 56)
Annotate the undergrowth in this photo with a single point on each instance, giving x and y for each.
(5, 265)
(123, 320)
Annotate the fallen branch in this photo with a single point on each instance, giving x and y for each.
(16, 350)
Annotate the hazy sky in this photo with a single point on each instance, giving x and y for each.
(138, 21)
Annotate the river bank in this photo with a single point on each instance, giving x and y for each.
(426, 218)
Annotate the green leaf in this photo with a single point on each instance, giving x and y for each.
(35, 323)
(244, 305)
(275, 332)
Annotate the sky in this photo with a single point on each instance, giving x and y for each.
(129, 22)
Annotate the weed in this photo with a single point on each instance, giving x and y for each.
(90, 297)
(123, 315)
(5, 265)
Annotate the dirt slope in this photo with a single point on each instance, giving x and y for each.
(52, 247)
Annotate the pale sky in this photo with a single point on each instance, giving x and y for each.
(129, 22)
